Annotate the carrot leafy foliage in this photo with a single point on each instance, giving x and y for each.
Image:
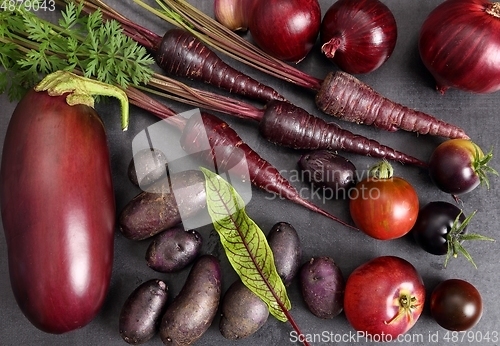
(30, 46)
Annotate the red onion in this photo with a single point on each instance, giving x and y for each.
(460, 45)
(358, 35)
(285, 29)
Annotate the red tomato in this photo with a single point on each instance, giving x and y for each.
(384, 298)
(384, 208)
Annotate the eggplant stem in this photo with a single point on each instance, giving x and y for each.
(81, 90)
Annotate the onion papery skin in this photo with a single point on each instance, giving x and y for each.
(285, 29)
(358, 36)
(459, 44)
(233, 14)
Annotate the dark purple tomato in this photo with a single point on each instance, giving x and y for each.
(456, 305)
(458, 166)
(58, 211)
(434, 223)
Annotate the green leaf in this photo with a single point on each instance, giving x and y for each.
(12, 22)
(245, 245)
(8, 56)
(4, 81)
(68, 16)
(98, 48)
(73, 60)
(38, 31)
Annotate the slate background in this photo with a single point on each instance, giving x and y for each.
(402, 78)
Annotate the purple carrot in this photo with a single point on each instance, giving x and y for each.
(342, 102)
(290, 130)
(346, 97)
(230, 148)
(339, 94)
(288, 125)
(181, 54)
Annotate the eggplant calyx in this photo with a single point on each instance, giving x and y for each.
(81, 90)
(456, 236)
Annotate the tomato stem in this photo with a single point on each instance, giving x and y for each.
(457, 236)
(480, 165)
(382, 170)
(81, 90)
(406, 303)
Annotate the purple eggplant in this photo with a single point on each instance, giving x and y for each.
(58, 211)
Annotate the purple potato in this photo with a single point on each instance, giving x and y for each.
(242, 312)
(192, 311)
(142, 311)
(157, 209)
(148, 164)
(328, 171)
(285, 244)
(322, 287)
(173, 249)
